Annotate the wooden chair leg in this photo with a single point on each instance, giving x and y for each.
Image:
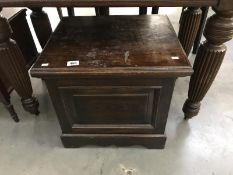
(102, 11)
(70, 11)
(13, 66)
(142, 10)
(187, 32)
(5, 99)
(201, 29)
(59, 11)
(183, 8)
(155, 10)
(218, 30)
(41, 24)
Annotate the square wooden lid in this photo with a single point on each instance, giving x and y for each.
(113, 46)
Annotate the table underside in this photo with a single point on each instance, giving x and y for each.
(109, 3)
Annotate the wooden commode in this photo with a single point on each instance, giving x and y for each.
(111, 78)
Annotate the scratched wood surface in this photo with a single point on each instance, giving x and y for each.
(114, 44)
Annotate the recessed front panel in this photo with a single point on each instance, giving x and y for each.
(112, 109)
(92, 107)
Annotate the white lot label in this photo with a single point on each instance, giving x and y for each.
(72, 63)
(44, 64)
(175, 58)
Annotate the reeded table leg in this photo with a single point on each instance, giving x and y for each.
(219, 29)
(41, 25)
(13, 66)
(189, 25)
(201, 29)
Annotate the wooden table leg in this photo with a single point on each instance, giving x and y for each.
(187, 32)
(201, 29)
(14, 68)
(219, 29)
(41, 24)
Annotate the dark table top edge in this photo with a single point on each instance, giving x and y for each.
(109, 3)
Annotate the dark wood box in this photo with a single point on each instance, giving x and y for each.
(121, 89)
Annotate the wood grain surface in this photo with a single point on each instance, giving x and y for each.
(114, 45)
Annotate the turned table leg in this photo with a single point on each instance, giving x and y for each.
(102, 11)
(41, 24)
(14, 68)
(219, 29)
(189, 25)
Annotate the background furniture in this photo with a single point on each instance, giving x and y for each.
(5, 99)
(218, 30)
(22, 35)
(41, 25)
(104, 11)
(14, 68)
(100, 11)
(201, 29)
(155, 10)
(143, 10)
(70, 11)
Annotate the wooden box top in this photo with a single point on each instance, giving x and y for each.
(113, 45)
